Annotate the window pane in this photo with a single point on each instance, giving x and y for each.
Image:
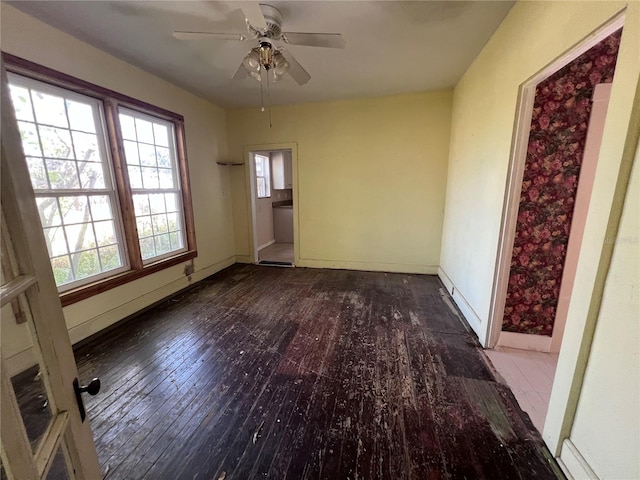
(156, 201)
(110, 258)
(91, 175)
(56, 244)
(105, 233)
(159, 224)
(21, 103)
(150, 178)
(30, 142)
(49, 109)
(176, 240)
(144, 226)
(135, 176)
(49, 213)
(62, 174)
(147, 155)
(144, 131)
(163, 245)
(100, 207)
(80, 237)
(166, 178)
(163, 156)
(86, 264)
(131, 152)
(141, 204)
(86, 146)
(37, 173)
(147, 248)
(74, 209)
(173, 222)
(62, 270)
(56, 142)
(80, 116)
(171, 201)
(127, 127)
(161, 135)
(261, 189)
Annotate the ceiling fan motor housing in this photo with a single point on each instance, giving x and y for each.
(273, 19)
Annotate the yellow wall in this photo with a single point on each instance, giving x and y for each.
(370, 180)
(205, 127)
(532, 36)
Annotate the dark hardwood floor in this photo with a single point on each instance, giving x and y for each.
(263, 372)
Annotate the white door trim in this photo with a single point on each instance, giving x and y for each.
(250, 178)
(519, 144)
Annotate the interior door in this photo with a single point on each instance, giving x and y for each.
(42, 432)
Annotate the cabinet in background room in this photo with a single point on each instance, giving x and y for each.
(282, 170)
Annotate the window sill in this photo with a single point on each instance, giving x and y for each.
(86, 291)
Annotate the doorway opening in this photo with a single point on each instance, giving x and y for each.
(560, 122)
(272, 201)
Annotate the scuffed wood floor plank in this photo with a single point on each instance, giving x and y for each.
(262, 372)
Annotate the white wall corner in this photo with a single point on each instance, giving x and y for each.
(472, 318)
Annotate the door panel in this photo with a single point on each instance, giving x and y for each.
(28, 451)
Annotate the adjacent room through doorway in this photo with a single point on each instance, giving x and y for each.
(273, 207)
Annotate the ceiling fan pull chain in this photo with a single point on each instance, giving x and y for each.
(268, 99)
(261, 95)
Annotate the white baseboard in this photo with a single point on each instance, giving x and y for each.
(265, 245)
(525, 341)
(368, 266)
(470, 315)
(244, 259)
(100, 322)
(573, 464)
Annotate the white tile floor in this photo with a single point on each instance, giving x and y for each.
(277, 252)
(530, 376)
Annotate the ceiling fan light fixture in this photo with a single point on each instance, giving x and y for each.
(281, 66)
(266, 55)
(252, 61)
(256, 75)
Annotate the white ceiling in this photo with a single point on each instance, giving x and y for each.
(391, 46)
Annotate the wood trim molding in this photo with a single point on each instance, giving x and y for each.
(185, 184)
(84, 292)
(112, 101)
(48, 75)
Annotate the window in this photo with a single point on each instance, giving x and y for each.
(64, 144)
(151, 164)
(263, 176)
(109, 176)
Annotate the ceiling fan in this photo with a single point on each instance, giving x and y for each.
(264, 24)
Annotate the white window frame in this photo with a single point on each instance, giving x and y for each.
(266, 163)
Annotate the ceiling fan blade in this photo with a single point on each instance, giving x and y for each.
(182, 35)
(241, 73)
(253, 14)
(299, 74)
(329, 40)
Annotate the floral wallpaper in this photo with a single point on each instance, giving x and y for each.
(556, 146)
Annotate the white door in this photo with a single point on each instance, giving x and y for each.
(42, 433)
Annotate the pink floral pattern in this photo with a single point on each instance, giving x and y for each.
(556, 146)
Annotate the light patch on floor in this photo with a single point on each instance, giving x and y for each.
(530, 376)
(277, 252)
